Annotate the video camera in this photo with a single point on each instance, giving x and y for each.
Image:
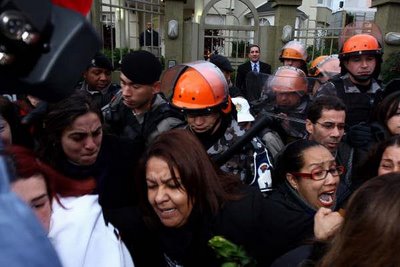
(44, 48)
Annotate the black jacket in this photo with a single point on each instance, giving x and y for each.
(99, 98)
(146, 126)
(291, 223)
(242, 71)
(146, 38)
(242, 222)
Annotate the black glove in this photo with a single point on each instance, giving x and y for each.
(36, 114)
(360, 136)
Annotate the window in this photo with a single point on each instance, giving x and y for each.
(264, 22)
(108, 17)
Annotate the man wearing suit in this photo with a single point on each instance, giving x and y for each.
(254, 66)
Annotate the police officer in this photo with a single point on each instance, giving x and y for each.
(294, 54)
(200, 92)
(140, 110)
(321, 70)
(360, 61)
(97, 81)
(288, 90)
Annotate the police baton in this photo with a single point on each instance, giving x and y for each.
(262, 122)
(265, 119)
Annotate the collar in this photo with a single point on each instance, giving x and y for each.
(85, 86)
(350, 87)
(299, 200)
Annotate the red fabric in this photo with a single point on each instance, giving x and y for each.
(66, 186)
(81, 6)
(27, 165)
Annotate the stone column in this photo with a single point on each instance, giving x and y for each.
(387, 18)
(286, 11)
(285, 14)
(267, 45)
(174, 48)
(95, 16)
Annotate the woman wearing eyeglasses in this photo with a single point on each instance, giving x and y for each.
(307, 178)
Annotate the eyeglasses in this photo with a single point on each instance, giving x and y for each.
(331, 125)
(319, 174)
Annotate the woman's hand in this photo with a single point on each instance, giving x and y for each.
(326, 223)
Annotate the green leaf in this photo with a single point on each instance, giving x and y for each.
(230, 252)
(230, 264)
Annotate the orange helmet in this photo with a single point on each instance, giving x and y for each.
(314, 71)
(289, 79)
(325, 65)
(200, 87)
(360, 44)
(294, 50)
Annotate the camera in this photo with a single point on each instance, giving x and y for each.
(44, 48)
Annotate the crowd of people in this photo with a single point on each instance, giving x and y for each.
(297, 167)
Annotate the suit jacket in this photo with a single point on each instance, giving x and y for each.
(242, 71)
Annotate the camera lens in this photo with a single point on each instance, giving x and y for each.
(12, 24)
(15, 27)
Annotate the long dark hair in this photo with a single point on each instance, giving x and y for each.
(60, 116)
(370, 234)
(205, 185)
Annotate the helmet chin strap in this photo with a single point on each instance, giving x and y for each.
(362, 78)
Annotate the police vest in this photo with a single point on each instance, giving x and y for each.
(359, 105)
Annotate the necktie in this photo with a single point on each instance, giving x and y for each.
(255, 67)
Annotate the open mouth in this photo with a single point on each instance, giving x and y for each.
(327, 199)
(165, 214)
(168, 210)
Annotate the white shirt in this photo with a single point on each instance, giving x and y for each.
(257, 66)
(81, 237)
